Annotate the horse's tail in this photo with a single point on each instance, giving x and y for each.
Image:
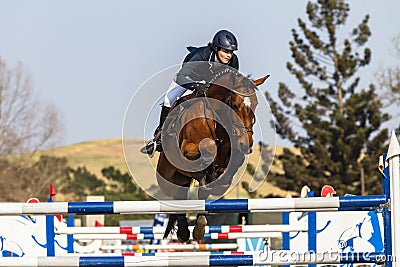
(171, 223)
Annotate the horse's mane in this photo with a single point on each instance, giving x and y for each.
(244, 80)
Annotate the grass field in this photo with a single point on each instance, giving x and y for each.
(98, 154)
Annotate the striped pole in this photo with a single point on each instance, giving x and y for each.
(161, 230)
(179, 206)
(159, 220)
(393, 157)
(184, 253)
(387, 225)
(262, 258)
(173, 246)
(213, 236)
(152, 254)
(162, 254)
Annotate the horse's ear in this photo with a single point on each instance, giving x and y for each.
(261, 80)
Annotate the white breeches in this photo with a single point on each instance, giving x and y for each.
(173, 93)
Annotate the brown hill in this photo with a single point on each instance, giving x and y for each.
(98, 154)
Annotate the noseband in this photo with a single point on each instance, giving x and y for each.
(238, 127)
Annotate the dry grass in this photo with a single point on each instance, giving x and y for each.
(96, 155)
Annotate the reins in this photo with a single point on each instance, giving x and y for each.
(235, 72)
(247, 129)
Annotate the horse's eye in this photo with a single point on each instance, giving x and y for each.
(235, 107)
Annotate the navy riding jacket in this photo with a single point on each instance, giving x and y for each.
(200, 65)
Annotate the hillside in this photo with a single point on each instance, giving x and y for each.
(98, 154)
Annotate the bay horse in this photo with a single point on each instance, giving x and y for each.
(206, 138)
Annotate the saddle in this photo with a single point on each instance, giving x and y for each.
(170, 122)
(214, 171)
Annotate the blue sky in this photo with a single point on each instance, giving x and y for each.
(89, 57)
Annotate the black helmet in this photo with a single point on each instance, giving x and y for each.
(225, 39)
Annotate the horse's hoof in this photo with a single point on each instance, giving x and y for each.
(200, 228)
(183, 232)
(183, 236)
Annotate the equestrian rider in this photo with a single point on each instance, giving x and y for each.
(197, 70)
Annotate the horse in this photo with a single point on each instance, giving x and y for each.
(206, 138)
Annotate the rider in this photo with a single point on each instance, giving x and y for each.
(196, 71)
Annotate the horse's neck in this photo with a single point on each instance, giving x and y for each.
(218, 93)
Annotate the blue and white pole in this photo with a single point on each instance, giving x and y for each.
(179, 206)
(393, 157)
(270, 258)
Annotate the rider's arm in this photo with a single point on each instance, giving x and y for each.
(190, 72)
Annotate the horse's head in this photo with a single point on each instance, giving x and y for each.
(239, 94)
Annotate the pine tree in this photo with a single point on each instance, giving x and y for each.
(333, 123)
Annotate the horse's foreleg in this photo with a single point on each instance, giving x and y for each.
(201, 221)
(183, 232)
(170, 225)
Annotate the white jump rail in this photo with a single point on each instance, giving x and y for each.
(259, 258)
(196, 206)
(173, 247)
(161, 229)
(213, 236)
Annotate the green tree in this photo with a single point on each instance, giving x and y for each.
(114, 186)
(259, 174)
(122, 187)
(333, 123)
(123, 181)
(79, 183)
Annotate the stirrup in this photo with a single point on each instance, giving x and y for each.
(149, 148)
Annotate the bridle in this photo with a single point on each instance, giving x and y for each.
(238, 129)
(239, 126)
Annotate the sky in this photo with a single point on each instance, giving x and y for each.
(90, 57)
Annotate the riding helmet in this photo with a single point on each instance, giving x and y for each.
(225, 39)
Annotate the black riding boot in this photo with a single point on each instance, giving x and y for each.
(155, 144)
